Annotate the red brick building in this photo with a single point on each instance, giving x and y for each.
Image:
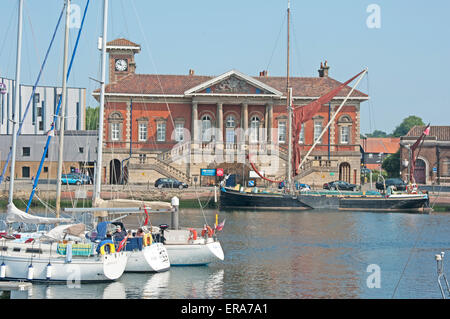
(433, 157)
(172, 121)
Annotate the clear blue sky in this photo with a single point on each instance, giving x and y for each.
(407, 56)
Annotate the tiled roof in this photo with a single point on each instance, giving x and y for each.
(386, 145)
(178, 84)
(442, 133)
(122, 42)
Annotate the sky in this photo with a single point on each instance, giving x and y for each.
(404, 44)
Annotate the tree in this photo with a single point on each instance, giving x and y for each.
(407, 124)
(377, 133)
(92, 118)
(391, 164)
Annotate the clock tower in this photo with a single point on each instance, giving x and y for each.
(121, 58)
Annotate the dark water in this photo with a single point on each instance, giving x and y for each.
(314, 254)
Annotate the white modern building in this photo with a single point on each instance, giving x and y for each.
(42, 108)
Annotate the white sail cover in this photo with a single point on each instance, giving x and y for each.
(59, 232)
(122, 203)
(16, 215)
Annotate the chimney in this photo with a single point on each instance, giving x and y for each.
(191, 72)
(264, 73)
(323, 71)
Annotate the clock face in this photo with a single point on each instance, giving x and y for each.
(121, 65)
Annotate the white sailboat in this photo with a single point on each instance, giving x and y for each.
(147, 258)
(63, 253)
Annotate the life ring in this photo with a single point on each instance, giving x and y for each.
(209, 230)
(147, 239)
(192, 234)
(112, 248)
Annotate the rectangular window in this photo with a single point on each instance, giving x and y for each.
(81, 149)
(41, 126)
(142, 158)
(45, 169)
(115, 130)
(345, 134)
(25, 171)
(317, 130)
(301, 139)
(230, 136)
(179, 132)
(26, 151)
(161, 132)
(281, 132)
(142, 132)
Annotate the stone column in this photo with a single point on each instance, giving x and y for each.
(194, 116)
(269, 121)
(244, 117)
(219, 122)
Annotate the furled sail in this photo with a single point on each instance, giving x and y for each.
(16, 215)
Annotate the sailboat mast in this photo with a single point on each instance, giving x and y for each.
(98, 167)
(62, 112)
(289, 106)
(15, 114)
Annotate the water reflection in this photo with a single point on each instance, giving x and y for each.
(320, 254)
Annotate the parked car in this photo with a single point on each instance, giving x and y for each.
(170, 182)
(72, 179)
(398, 183)
(298, 186)
(339, 185)
(86, 179)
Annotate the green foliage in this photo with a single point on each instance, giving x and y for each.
(391, 164)
(377, 133)
(406, 125)
(92, 118)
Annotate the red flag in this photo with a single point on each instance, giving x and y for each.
(146, 218)
(220, 226)
(427, 130)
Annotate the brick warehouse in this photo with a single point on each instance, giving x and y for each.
(175, 125)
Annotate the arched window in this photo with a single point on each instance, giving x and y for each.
(230, 124)
(206, 128)
(254, 129)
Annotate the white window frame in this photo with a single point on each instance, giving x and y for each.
(142, 132)
(115, 131)
(161, 131)
(301, 138)
(282, 131)
(179, 131)
(206, 128)
(345, 135)
(254, 129)
(317, 130)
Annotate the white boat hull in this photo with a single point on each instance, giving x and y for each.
(99, 268)
(194, 254)
(153, 258)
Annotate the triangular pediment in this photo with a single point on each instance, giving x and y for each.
(233, 83)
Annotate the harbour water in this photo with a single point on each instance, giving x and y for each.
(293, 255)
